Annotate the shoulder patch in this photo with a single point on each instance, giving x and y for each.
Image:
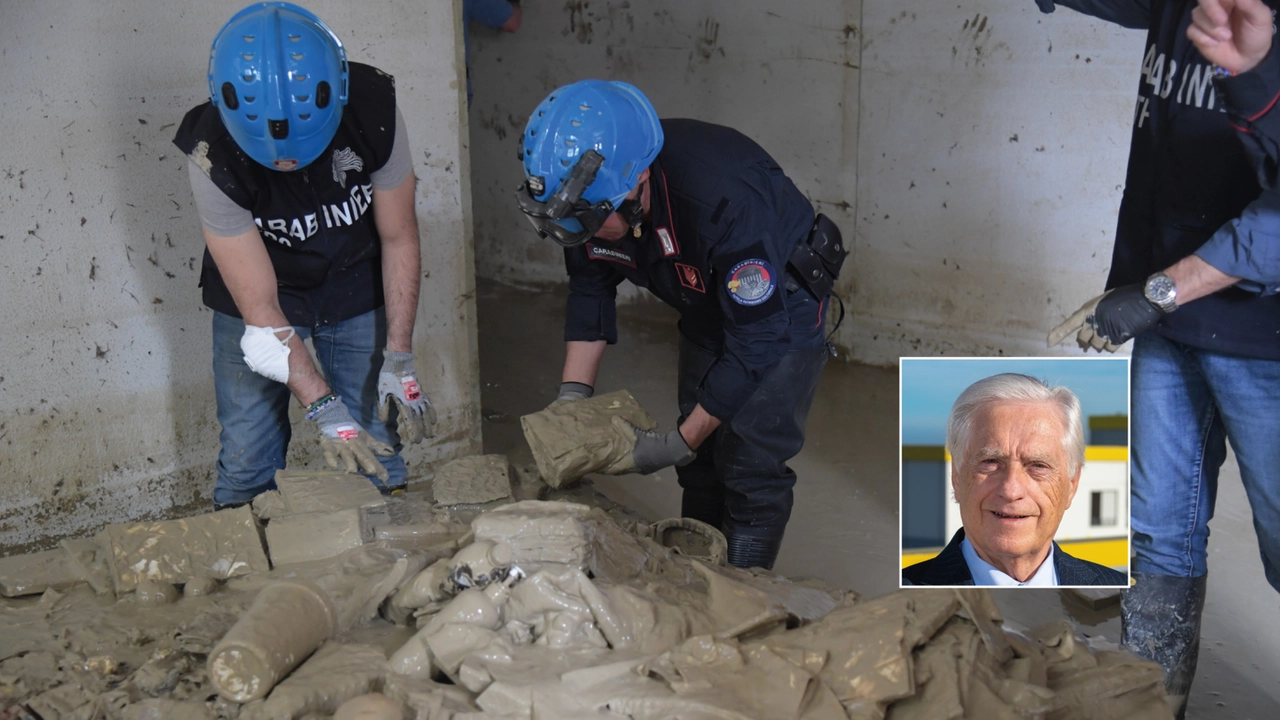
(751, 282)
(608, 254)
(668, 242)
(690, 277)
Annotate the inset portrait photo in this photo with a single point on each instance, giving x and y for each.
(1015, 472)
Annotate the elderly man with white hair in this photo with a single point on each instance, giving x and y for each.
(1017, 448)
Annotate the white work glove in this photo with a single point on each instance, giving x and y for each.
(398, 382)
(342, 438)
(1086, 335)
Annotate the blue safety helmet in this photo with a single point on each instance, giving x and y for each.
(278, 76)
(583, 150)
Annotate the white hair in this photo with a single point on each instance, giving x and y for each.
(1014, 387)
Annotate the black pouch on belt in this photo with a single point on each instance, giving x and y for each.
(816, 262)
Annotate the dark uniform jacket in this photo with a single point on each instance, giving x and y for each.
(724, 220)
(1191, 188)
(950, 568)
(316, 222)
(1251, 101)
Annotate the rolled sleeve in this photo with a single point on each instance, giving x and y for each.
(1249, 246)
(591, 310)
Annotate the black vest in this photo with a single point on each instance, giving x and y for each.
(1188, 176)
(316, 222)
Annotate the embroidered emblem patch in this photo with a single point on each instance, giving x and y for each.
(344, 160)
(596, 252)
(751, 282)
(669, 246)
(690, 277)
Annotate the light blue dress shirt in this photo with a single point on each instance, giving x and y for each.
(986, 574)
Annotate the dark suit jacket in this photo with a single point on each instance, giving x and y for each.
(949, 568)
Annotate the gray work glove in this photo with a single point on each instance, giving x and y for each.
(1086, 333)
(655, 451)
(575, 391)
(398, 382)
(342, 438)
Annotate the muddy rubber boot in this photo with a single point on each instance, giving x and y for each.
(753, 547)
(707, 507)
(1160, 621)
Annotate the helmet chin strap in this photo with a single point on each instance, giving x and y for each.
(632, 212)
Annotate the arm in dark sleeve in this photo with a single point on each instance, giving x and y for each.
(591, 310)
(1249, 246)
(1250, 100)
(757, 330)
(1135, 14)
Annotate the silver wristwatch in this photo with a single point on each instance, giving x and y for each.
(1161, 292)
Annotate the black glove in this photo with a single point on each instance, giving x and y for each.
(1046, 6)
(655, 451)
(1124, 313)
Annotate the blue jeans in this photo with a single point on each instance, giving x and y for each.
(1186, 404)
(254, 411)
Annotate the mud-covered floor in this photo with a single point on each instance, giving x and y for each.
(844, 527)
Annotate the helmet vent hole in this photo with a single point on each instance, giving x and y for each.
(229, 96)
(564, 163)
(248, 77)
(532, 133)
(541, 113)
(299, 77)
(247, 98)
(322, 95)
(295, 38)
(584, 107)
(248, 38)
(296, 56)
(247, 56)
(570, 143)
(251, 117)
(528, 152)
(576, 123)
(304, 116)
(301, 98)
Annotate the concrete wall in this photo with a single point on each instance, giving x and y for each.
(972, 153)
(992, 157)
(106, 397)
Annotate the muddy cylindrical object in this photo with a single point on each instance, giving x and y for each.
(287, 622)
(374, 706)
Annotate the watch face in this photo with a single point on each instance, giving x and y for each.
(1161, 291)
